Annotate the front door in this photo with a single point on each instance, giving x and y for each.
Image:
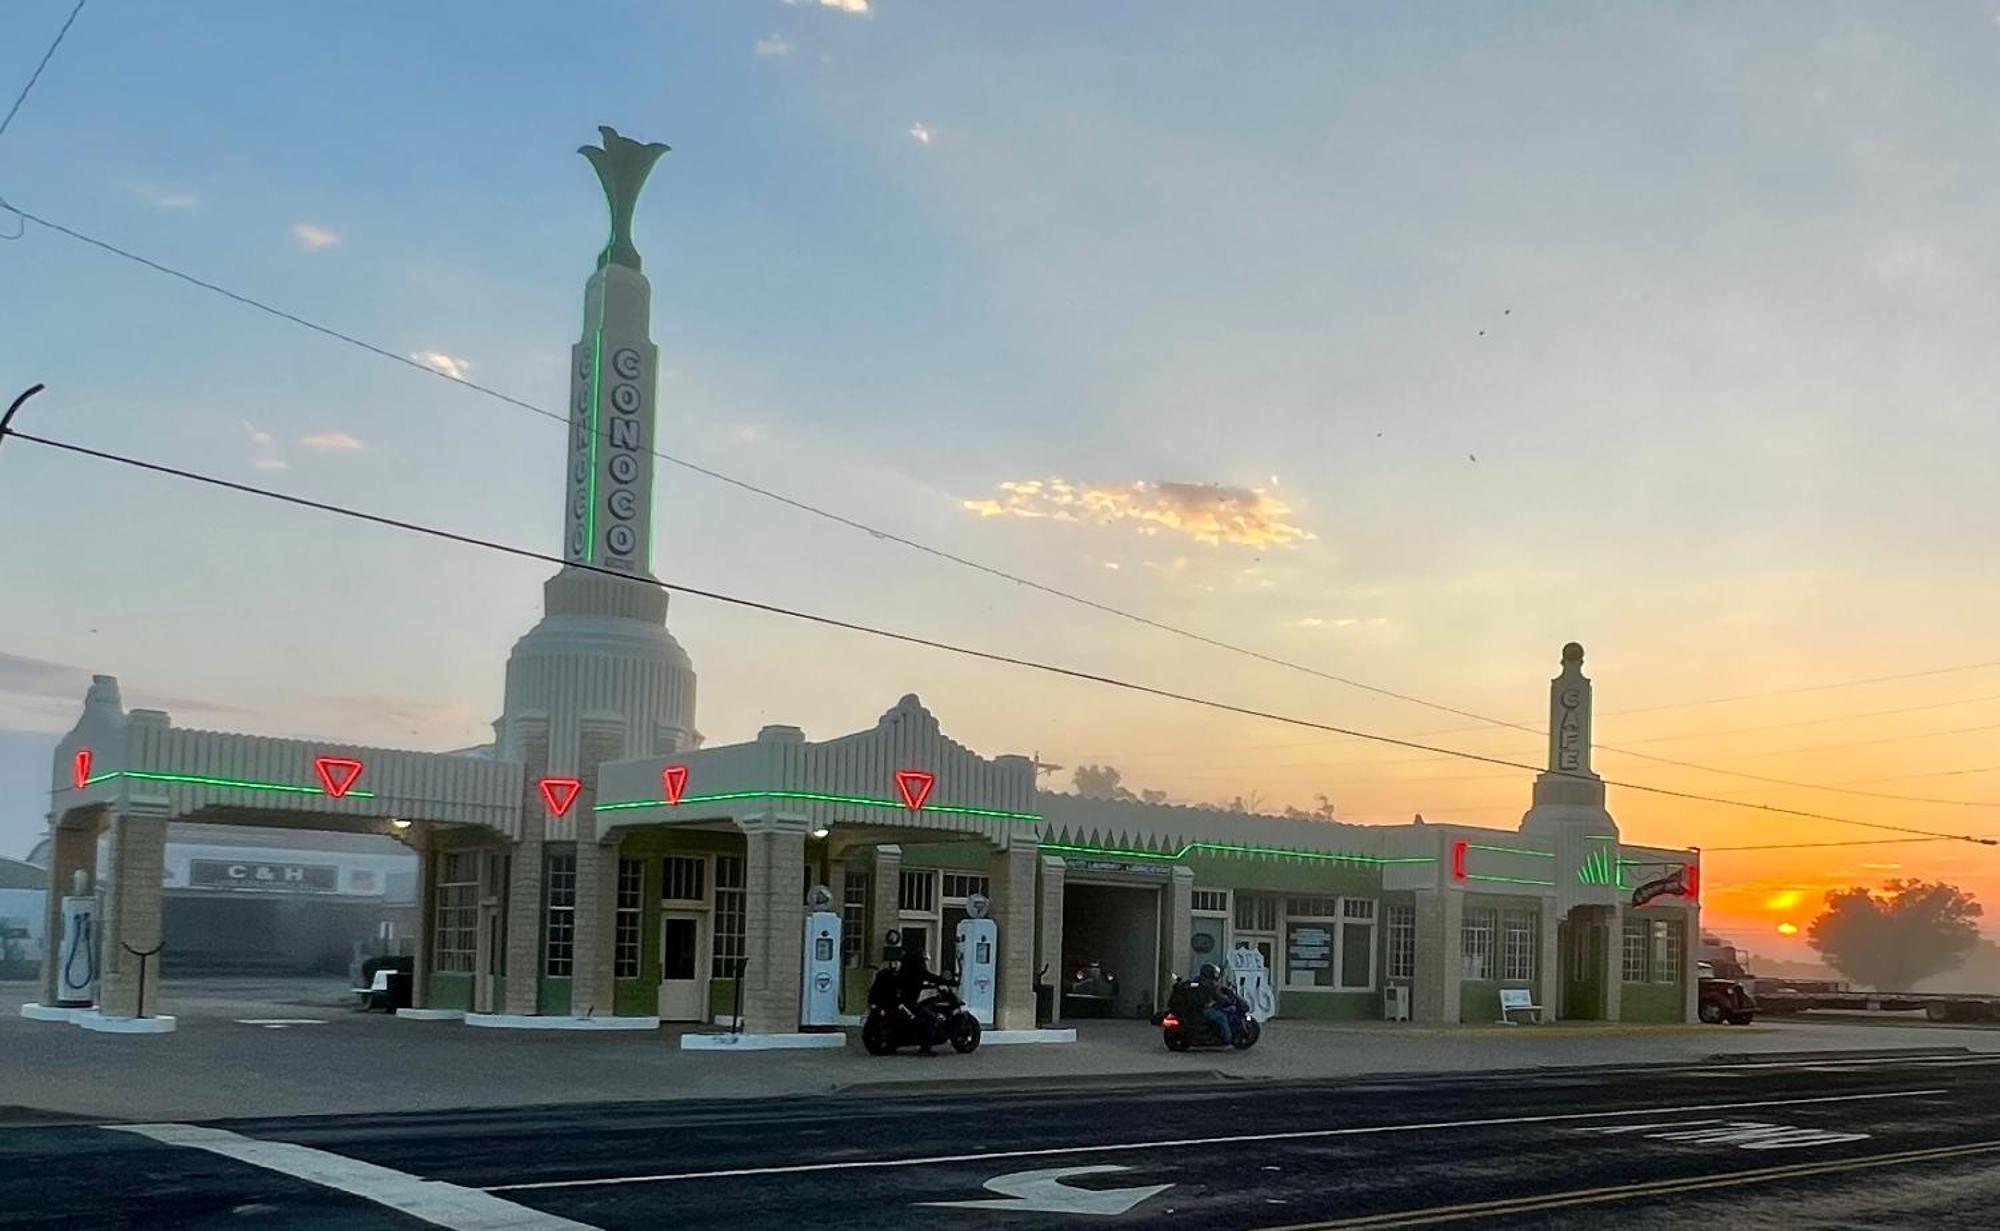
(683, 959)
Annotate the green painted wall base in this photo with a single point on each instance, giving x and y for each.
(1651, 1002)
(1329, 1006)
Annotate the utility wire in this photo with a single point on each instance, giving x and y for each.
(1811, 846)
(931, 643)
(35, 76)
(779, 496)
(951, 557)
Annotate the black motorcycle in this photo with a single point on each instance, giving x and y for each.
(1183, 1026)
(891, 1024)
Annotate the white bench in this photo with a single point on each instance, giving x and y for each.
(1517, 1000)
(377, 991)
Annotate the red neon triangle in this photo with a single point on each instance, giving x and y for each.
(559, 793)
(337, 774)
(80, 767)
(915, 786)
(675, 779)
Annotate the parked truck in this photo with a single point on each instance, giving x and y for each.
(1802, 995)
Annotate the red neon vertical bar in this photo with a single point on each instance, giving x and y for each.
(1458, 859)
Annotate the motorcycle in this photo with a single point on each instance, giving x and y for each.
(890, 1024)
(1183, 1026)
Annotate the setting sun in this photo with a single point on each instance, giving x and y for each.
(1785, 900)
(1788, 929)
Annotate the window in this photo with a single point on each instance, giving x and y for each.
(1330, 943)
(961, 885)
(1476, 945)
(458, 912)
(1211, 901)
(1255, 913)
(681, 878)
(917, 891)
(559, 948)
(1517, 946)
(1402, 942)
(854, 920)
(729, 908)
(625, 937)
(1666, 951)
(1637, 937)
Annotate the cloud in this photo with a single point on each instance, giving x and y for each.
(162, 198)
(853, 8)
(922, 133)
(258, 436)
(448, 365)
(750, 433)
(24, 677)
(774, 45)
(263, 448)
(1207, 513)
(332, 442)
(272, 463)
(313, 237)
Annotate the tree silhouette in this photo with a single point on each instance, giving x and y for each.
(1891, 939)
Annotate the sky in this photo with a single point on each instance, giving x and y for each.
(1406, 341)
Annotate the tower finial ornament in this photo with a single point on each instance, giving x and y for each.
(622, 167)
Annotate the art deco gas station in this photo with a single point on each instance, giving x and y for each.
(599, 867)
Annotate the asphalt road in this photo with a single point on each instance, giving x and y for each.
(1812, 1142)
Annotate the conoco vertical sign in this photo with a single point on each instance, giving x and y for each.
(608, 518)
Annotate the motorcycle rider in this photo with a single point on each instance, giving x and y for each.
(1218, 1004)
(913, 978)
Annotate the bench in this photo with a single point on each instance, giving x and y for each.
(1517, 1000)
(376, 994)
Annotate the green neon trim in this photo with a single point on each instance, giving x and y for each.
(596, 385)
(1512, 880)
(1234, 848)
(1597, 868)
(1600, 837)
(819, 797)
(241, 784)
(1512, 850)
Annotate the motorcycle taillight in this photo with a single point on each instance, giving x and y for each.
(1170, 1021)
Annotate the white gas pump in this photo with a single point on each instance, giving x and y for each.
(1253, 981)
(76, 959)
(819, 995)
(978, 958)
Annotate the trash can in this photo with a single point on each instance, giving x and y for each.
(402, 985)
(1045, 1004)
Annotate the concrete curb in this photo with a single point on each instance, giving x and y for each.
(94, 1020)
(1860, 1053)
(1040, 1084)
(52, 1012)
(526, 1021)
(431, 1015)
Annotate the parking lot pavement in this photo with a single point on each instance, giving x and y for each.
(263, 1048)
(1864, 1142)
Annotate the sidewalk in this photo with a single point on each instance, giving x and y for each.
(270, 1050)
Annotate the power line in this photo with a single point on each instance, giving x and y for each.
(932, 643)
(1811, 846)
(35, 76)
(991, 571)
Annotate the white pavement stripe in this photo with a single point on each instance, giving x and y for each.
(1309, 1134)
(445, 1205)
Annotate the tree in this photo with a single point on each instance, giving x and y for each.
(1099, 782)
(1890, 939)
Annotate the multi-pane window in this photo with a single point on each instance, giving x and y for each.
(1638, 939)
(625, 935)
(559, 947)
(1517, 946)
(962, 885)
(681, 878)
(458, 912)
(729, 911)
(917, 891)
(1330, 943)
(1476, 945)
(1211, 901)
(1666, 951)
(1402, 955)
(1256, 913)
(854, 920)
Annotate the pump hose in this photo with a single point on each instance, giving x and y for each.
(80, 945)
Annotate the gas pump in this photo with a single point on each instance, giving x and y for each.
(978, 958)
(76, 959)
(819, 993)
